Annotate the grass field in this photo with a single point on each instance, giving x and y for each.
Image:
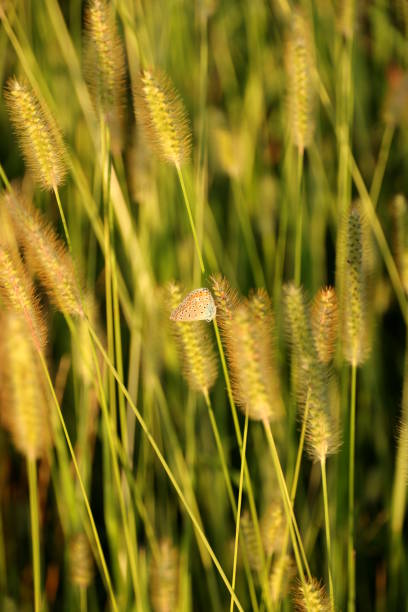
(248, 449)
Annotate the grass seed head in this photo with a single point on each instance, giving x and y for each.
(324, 319)
(81, 561)
(38, 135)
(25, 406)
(354, 286)
(282, 573)
(251, 357)
(17, 292)
(164, 578)
(195, 347)
(104, 65)
(312, 596)
(311, 378)
(299, 69)
(45, 255)
(161, 112)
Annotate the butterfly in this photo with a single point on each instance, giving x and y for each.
(198, 305)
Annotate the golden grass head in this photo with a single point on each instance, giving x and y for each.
(80, 560)
(312, 596)
(324, 320)
(195, 347)
(299, 62)
(45, 254)
(162, 114)
(282, 573)
(164, 578)
(25, 407)
(17, 292)
(354, 286)
(251, 356)
(38, 135)
(104, 64)
(272, 527)
(311, 378)
(252, 545)
(226, 299)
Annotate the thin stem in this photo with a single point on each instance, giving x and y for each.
(300, 449)
(83, 599)
(382, 162)
(294, 530)
(251, 498)
(351, 555)
(327, 529)
(164, 465)
(231, 494)
(190, 216)
(35, 531)
(81, 484)
(62, 215)
(238, 518)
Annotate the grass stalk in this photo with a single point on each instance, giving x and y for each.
(35, 531)
(165, 466)
(101, 556)
(190, 217)
(238, 517)
(327, 529)
(351, 555)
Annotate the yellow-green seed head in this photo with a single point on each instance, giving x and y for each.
(80, 561)
(104, 65)
(324, 319)
(195, 347)
(38, 135)
(164, 578)
(282, 573)
(18, 294)
(251, 357)
(354, 299)
(162, 114)
(45, 254)
(25, 408)
(312, 596)
(311, 379)
(299, 58)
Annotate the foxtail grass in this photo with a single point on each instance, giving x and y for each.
(355, 344)
(104, 66)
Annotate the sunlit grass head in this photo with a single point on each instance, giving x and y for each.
(163, 116)
(37, 133)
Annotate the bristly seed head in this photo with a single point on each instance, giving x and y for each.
(195, 347)
(324, 318)
(104, 65)
(37, 132)
(160, 110)
(24, 410)
(354, 299)
(45, 254)
(299, 68)
(251, 356)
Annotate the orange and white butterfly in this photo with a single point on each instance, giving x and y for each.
(198, 305)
